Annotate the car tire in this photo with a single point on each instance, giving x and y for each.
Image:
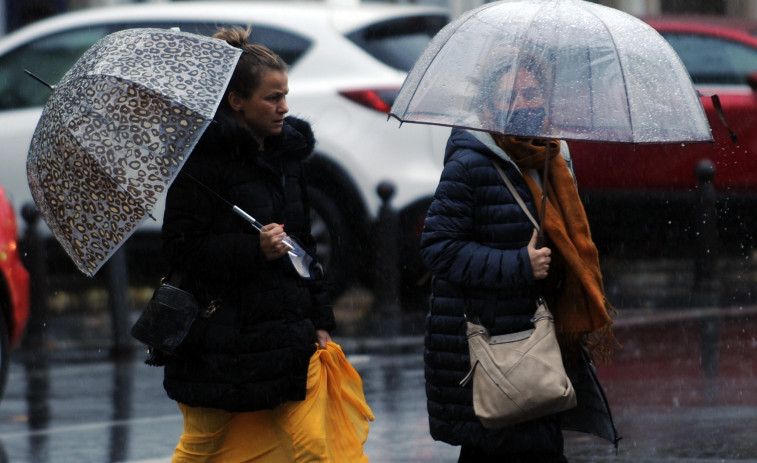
(336, 244)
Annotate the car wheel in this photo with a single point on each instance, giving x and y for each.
(4, 356)
(336, 243)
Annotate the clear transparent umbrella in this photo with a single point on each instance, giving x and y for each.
(604, 75)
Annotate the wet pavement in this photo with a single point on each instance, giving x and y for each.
(682, 389)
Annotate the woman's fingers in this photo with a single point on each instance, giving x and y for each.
(271, 241)
(540, 258)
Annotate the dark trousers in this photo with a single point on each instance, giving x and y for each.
(476, 455)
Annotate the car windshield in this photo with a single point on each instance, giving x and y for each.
(714, 60)
(398, 42)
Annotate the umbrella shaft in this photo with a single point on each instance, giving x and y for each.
(545, 179)
(258, 226)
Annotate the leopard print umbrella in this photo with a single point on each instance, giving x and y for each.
(117, 129)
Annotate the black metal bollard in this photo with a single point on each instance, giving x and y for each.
(387, 275)
(706, 281)
(34, 257)
(118, 297)
(36, 365)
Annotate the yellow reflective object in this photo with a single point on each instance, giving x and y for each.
(329, 426)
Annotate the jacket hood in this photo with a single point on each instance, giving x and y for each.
(484, 143)
(296, 139)
(474, 140)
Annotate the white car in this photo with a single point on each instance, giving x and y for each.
(346, 65)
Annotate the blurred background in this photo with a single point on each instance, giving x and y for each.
(675, 224)
(676, 227)
(16, 13)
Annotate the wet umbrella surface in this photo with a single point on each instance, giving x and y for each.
(600, 74)
(117, 129)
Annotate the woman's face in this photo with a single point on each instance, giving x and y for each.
(264, 110)
(528, 93)
(522, 103)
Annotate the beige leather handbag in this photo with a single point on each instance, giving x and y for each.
(520, 376)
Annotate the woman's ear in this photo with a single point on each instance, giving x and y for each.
(234, 100)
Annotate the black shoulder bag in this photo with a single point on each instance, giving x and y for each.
(168, 318)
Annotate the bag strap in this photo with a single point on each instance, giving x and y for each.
(522, 204)
(515, 194)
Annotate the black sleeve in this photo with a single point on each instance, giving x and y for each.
(190, 240)
(321, 312)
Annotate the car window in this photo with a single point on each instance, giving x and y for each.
(51, 56)
(712, 60)
(398, 42)
(290, 47)
(49, 59)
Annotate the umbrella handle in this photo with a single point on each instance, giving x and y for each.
(293, 248)
(540, 235)
(539, 239)
(257, 225)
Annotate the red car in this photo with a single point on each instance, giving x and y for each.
(14, 288)
(646, 193)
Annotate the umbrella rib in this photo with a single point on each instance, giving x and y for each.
(518, 61)
(461, 22)
(622, 69)
(420, 77)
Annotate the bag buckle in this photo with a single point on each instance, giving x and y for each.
(212, 307)
(541, 303)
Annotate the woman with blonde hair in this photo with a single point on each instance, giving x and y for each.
(260, 379)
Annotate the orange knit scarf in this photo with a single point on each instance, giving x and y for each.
(580, 308)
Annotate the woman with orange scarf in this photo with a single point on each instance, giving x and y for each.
(482, 249)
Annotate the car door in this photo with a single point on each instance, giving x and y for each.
(725, 67)
(717, 65)
(653, 186)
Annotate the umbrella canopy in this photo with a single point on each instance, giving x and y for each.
(116, 131)
(591, 72)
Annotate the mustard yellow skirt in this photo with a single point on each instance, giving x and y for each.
(329, 426)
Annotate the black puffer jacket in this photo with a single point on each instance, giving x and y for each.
(253, 353)
(474, 241)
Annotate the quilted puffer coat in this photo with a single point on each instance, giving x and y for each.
(474, 242)
(253, 352)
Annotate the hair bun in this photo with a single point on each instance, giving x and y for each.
(235, 36)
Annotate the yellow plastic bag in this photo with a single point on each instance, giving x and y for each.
(329, 426)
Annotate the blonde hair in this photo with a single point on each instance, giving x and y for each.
(254, 62)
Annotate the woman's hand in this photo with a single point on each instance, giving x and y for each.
(323, 338)
(271, 243)
(539, 258)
